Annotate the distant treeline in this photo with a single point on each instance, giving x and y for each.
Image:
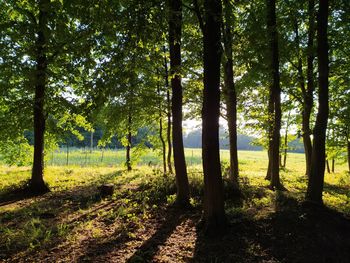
(191, 140)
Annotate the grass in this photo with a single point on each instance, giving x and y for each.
(74, 217)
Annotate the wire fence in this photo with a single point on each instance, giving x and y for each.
(116, 157)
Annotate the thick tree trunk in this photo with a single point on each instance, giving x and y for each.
(168, 131)
(230, 96)
(128, 146)
(175, 24)
(276, 94)
(316, 179)
(214, 213)
(37, 183)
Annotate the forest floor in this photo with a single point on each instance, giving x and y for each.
(139, 222)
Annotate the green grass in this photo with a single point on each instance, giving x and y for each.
(79, 211)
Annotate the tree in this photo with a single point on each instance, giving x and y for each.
(46, 40)
(274, 97)
(230, 93)
(309, 92)
(37, 182)
(175, 24)
(316, 179)
(214, 213)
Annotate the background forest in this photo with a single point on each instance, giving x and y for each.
(174, 131)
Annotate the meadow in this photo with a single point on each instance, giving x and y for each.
(138, 223)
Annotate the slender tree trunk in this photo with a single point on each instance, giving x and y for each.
(316, 179)
(270, 129)
(67, 154)
(308, 97)
(333, 165)
(348, 144)
(128, 146)
(276, 94)
(214, 213)
(175, 24)
(163, 144)
(161, 131)
(286, 141)
(37, 183)
(91, 141)
(168, 136)
(230, 95)
(327, 165)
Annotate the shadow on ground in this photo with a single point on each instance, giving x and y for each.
(37, 220)
(288, 232)
(294, 233)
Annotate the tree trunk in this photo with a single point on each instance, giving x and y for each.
(349, 154)
(214, 213)
(67, 154)
(333, 165)
(37, 183)
(308, 97)
(163, 144)
(128, 146)
(316, 180)
(270, 129)
(161, 131)
(276, 94)
(175, 24)
(91, 141)
(230, 95)
(327, 165)
(286, 141)
(168, 131)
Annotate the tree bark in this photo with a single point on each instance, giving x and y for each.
(286, 141)
(270, 129)
(91, 141)
(175, 25)
(316, 179)
(275, 94)
(214, 213)
(308, 96)
(348, 154)
(168, 131)
(128, 146)
(327, 165)
(37, 183)
(161, 131)
(230, 95)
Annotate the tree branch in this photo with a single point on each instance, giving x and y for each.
(198, 13)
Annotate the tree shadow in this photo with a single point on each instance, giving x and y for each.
(173, 217)
(337, 189)
(295, 232)
(44, 216)
(165, 222)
